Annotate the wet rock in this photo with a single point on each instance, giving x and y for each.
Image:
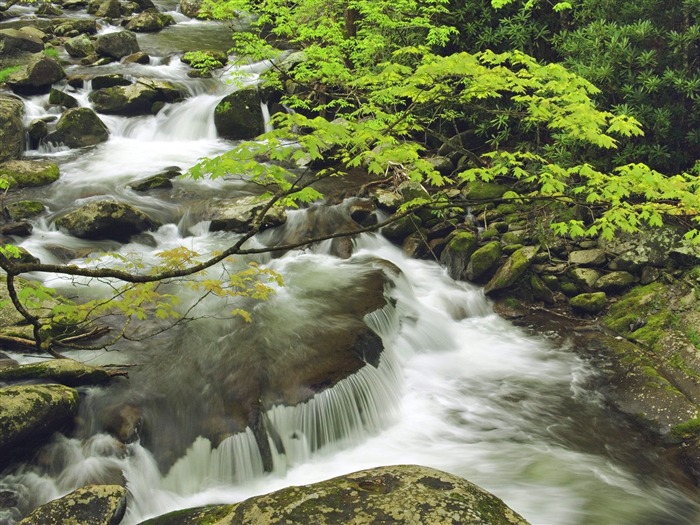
(149, 22)
(123, 422)
(591, 303)
(595, 257)
(483, 261)
(239, 115)
(106, 219)
(64, 371)
(401, 495)
(152, 183)
(48, 9)
(11, 127)
(117, 45)
(540, 290)
(40, 73)
(512, 270)
(18, 41)
(59, 97)
(239, 214)
(457, 253)
(400, 229)
(62, 26)
(91, 505)
(615, 282)
(29, 413)
(29, 173)
(80, 46)
(137, 58)
(77, 128)
(108, 81)
(138, 98)
(24, 209)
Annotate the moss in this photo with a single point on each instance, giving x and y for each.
(484, 191)
(489, 234)
(589, 302)
(483, 260)
(25, 209)
(687, 430)
(643, 304)
(7, 72)
(513, 269)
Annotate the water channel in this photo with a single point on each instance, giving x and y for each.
(457, 387)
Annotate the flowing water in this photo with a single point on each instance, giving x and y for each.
(457, 388)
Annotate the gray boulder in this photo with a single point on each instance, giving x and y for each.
(28, 412)
(40, 73)
(106, 219)
(117, 45)
(237, 215)
(615, 282)
(594, 257)
(149, 22)
(29, 173)
(91, 505)
(239, 115)
(11, 127)
(400, 495)
(136, 99)
(108, 9)
(79, 127)
(18, 41)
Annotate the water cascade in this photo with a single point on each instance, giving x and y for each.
(456, 387)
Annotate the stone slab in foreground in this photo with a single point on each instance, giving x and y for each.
(400, 495)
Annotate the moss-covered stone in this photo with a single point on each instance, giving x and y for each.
(79, 127)
(589, 302)
(540, 291)
(483, 261)
(91, 505)
(400, 495)
(25, 209)
(512, 270)
(489, 234)
(106, 219)
(640, 314)
(398, 230)
(584, 277)
(483, 191)
(615, 282)
(11, 127)
(238, 116)
(456, 254)
(65, 371)
(29, 412)
(29, 173)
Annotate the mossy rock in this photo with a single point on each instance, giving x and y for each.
(641, 314)
(64, 371)
(483, 191)
(589, 302)
(91, 505)
(106, 219)
(25, 209)
(11, 127)
(584, 277)
(29, 173)
(455, 256)
(28, 412)
(398, 230)
(483, 261)
(400, 495)
(540, 291)
(615, 282)
(239, 115)
(79, 127)
(489, 234)
(512, 270)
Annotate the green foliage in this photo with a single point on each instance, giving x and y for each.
(5, 73)
(202, 60)
(51, 51)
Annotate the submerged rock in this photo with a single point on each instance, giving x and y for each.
(400, 495)
(106, 219)
(91, 505)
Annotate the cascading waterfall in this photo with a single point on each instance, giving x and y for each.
(456, 388)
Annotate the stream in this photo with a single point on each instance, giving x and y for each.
(457, 388)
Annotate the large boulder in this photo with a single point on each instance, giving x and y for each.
(483, 261)
(117, 45)
(11, 128)
(18, 41)
(32, 412)
(106, 219)
(29, 173)
(237, 215)
(456, 254)
(149, 22)
(64, 26)
(40, 73)
(239, 115)
(136, 99)
(79, 127)
(91, 505)
(64, 371)
(400, 495)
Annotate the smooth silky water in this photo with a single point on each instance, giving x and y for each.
(457, 388)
